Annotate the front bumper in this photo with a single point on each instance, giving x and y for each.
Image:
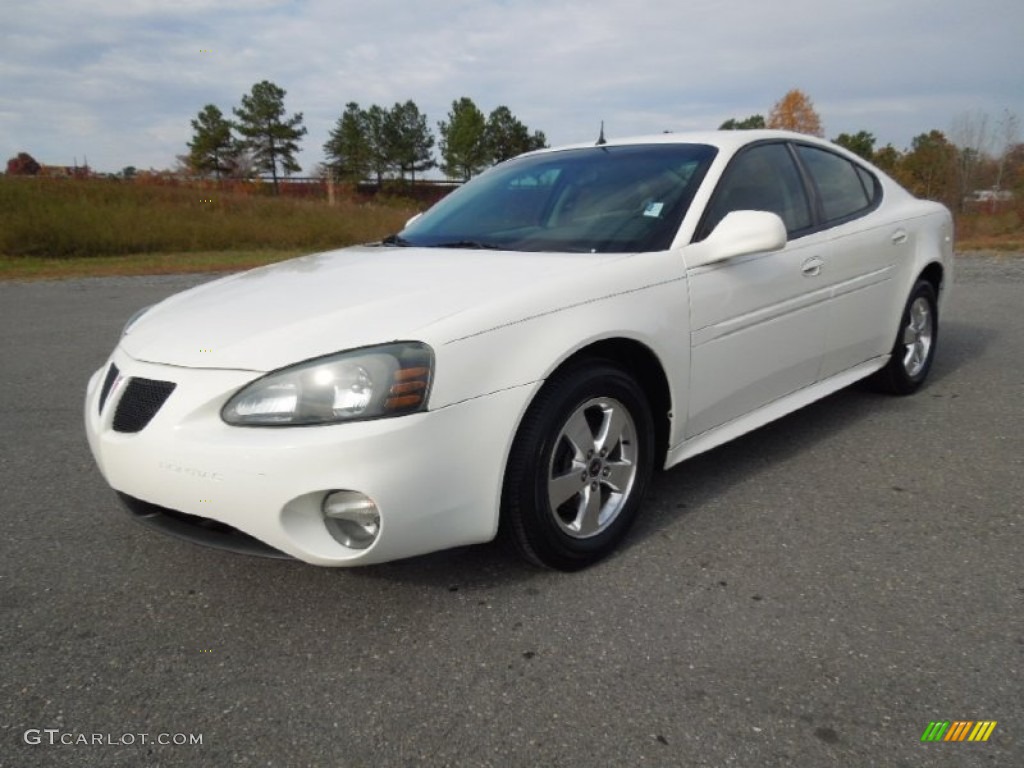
(435, 476)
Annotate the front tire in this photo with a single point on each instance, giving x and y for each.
(914, 348)
(579, 467)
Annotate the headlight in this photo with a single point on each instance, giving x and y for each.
(370, 383)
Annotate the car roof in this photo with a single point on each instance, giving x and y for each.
(725, 140)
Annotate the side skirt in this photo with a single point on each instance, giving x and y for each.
(770, 412)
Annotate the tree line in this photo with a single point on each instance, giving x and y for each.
(376, 142)
(977, 154)
(381, 143)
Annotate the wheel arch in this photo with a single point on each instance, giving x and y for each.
(934, 274)
(523, 523)
(933, 256)
(640, 361)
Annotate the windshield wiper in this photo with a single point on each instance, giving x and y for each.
(395, 240)
(472, 244)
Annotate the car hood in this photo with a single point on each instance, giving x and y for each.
(328, 302)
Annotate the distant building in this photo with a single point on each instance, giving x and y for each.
(994, 195)
(66, 171)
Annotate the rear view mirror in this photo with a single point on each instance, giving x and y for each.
(740, 233)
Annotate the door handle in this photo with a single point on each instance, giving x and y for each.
(899, 237)
(812, 267)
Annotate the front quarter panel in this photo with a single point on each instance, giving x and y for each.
(653, 312)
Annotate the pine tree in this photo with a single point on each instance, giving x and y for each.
(267, 133)
(409, 141)
(507, 137)
(861, 143)
(464, 151)
(212, 149)
(377, 131)
(751, 123)
(348, 149)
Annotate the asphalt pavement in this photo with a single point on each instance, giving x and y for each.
(813, 594)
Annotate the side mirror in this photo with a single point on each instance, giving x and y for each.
(740, 233)
(410, 221)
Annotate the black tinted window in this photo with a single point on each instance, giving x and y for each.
(870, 183)
(762, 178)
(842, 191)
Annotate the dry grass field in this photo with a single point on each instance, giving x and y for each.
(70, 228)
(64, 219)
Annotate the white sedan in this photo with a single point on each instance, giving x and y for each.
(518, 360)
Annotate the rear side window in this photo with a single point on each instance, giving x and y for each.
(845, 189)
(871, 185)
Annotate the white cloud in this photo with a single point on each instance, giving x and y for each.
(120, 81)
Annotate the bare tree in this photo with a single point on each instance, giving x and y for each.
(1008, 136)
(970, 133)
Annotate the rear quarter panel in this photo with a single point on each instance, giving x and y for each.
(929, 229)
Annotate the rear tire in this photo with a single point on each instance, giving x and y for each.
(914, 348)
(579, 467)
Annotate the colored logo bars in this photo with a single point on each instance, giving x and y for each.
(958, 730)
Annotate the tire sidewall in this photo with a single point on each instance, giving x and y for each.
(904, 381)
(544, 422)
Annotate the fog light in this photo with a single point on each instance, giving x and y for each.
(351, 518)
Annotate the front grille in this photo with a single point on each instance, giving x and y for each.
(107, 384)
(141, 400)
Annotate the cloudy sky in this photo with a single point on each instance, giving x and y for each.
(117, 81)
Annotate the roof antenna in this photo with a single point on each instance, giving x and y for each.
(600, 139)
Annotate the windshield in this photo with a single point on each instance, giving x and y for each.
(618, 199)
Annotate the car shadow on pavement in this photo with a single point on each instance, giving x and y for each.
(960, 344)
(697, 482)
(479, 566)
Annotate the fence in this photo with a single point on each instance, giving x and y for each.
(424, 191)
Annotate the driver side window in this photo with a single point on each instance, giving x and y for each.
(762, 178)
